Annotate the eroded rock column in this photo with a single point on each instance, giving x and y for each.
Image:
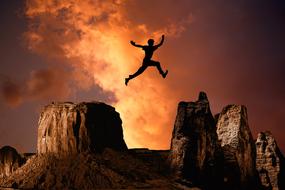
(238, 148)
(269, 162)
(194, 153)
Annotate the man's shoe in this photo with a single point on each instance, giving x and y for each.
(164, 74)
(126, 81)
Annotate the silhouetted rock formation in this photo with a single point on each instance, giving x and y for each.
(81, 146)
(238, 148)
(195, 153)
(10, 160)
(269, 162)
(68, 128)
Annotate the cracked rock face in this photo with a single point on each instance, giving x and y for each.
(269, 162)
(194, 153)
(238, 148)
(68, 128)
(10, 160)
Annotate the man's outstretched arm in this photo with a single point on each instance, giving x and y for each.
(161, 42)
(136, 45)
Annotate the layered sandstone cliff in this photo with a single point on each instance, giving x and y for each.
(68, 128)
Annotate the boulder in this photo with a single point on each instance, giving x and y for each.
(10, 160)
(238, 148)
(269, 162)
(68, 128)
(195, 153)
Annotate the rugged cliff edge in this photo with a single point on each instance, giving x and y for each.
(81, 146)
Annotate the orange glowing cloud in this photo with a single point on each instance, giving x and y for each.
(92, 37)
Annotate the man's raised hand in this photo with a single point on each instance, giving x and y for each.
(133, 43)
(161, 41)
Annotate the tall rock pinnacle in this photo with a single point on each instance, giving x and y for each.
(238, 148)
(194, 153)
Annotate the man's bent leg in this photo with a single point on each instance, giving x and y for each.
(157, 64)
(139, 71)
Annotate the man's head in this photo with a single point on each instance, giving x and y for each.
(150, 42)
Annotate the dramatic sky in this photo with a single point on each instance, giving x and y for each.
(79, 50)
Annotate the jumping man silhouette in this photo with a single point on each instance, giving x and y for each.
(148, 49)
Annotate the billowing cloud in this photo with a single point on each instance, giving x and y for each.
(92, 37)
(45, 84)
